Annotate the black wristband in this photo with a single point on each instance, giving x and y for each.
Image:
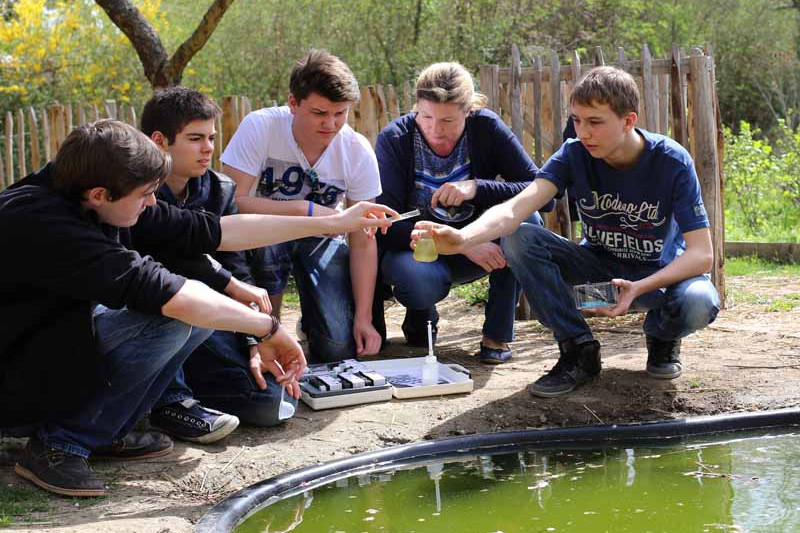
(267, 336)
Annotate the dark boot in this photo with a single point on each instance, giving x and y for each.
(136, 445)
(577, 364)
(415, 326)
(663, 358)
(58, 471)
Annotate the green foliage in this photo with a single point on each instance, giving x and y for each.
(19, 503)
(474, 293)
(753, 266)
(762, 185)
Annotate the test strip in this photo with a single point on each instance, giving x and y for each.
(403, 216)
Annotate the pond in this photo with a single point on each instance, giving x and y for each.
(745, 483)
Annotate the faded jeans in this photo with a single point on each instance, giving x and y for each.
(323, 284)
(548, 265)
(143, 353)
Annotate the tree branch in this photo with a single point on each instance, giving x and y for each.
(140, 33)
(197, 40)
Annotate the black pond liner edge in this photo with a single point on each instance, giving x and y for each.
(227, 514)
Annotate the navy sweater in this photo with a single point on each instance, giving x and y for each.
(494, 152)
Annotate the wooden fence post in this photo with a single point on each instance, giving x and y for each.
(650, 91)
(679, 128)
(392, 103)
(537, 111)
(703, 136)
(383, 114)
(230, 118)
(9, 148)
(516, 93)
(408, 96)
(21, 156)
(33, 126)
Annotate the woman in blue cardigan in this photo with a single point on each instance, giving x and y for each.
(452, 159)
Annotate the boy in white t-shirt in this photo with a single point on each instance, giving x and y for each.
(304, 160)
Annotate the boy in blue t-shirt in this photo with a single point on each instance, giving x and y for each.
(645, 228)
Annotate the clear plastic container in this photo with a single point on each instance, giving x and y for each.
(595, 295)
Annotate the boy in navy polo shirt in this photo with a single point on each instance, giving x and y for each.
(645, 229)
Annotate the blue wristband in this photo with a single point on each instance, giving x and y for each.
(310, 208)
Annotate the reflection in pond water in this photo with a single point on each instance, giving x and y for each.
(734, 486)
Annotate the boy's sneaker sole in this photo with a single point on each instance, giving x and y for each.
(552, 393)
(81, 493)
(229, 424)
(188, 420)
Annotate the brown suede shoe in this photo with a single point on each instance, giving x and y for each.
(58, 471)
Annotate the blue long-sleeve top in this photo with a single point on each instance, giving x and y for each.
(494, 153)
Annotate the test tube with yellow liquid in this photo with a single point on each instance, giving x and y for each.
(426, 252)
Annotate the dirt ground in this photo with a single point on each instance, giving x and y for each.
(749, 359)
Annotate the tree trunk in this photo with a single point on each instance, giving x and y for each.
(160, 70)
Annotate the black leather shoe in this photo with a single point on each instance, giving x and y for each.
(577, 364)
(58, 471)
(663, 358)
(136, 445)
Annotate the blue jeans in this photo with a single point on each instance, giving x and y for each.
(323, 284)
(219, 374)
(548, 265)
(143, 354)
(420, 286)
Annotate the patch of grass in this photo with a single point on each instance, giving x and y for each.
(787, 302)
(474, 293)
(19, 503)
(290, 296)
(754, 266)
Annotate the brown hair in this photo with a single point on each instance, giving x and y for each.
(324, 73)
(448, 83)
(108, 154)
(607, 85)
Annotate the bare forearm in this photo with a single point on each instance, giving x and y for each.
(504, 219)
(691, 263)
(265, 206)
(198, 305)
(243, 232)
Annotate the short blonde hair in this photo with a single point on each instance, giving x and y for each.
(449, 83)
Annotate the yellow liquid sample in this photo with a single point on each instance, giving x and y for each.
(426, 252)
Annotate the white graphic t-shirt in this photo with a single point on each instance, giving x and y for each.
(264, 146)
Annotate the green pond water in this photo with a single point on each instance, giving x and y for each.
(747, 484)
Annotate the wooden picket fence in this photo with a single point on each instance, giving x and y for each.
(678, 99)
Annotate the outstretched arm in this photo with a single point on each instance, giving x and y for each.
(500, 220)
(242, 232)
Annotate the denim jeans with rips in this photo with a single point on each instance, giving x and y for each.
(219, 374)
(143, 352)
(420, 286)
(548, 265)
(323, 285)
